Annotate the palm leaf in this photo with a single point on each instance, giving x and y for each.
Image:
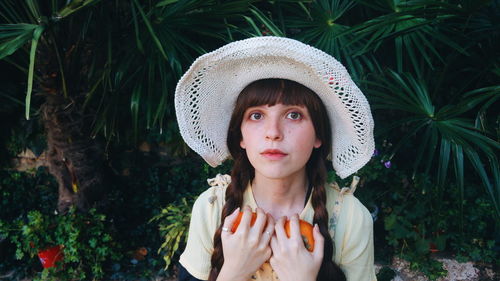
(322, 24)
(415, 27)
(73, 6)
(34, 42)
(150, 29)
(444, 129)
(267, 22)
(479, 167)
(15, 36)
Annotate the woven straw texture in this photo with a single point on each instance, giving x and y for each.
(205, 96)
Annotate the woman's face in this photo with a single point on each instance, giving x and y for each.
(278, 139)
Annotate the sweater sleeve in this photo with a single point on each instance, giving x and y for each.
(356, 235)
(205, 218)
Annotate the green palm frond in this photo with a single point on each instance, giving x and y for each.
(165, 38)
(322, 24)
(18, 32)
(34, 42)
(150, 28)
(73, 6)
(442, 134)
(266, 22)
(15, 36)
(414, 27)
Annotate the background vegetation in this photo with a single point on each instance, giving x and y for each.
(89, 83)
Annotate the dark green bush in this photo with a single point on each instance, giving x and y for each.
(417, 218)
(140, 184)
(87, 242)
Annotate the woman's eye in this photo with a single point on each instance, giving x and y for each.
(294, 115)
(255, 116)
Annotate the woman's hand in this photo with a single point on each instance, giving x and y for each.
(291, 260)
(248, 248)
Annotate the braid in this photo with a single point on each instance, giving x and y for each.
(241, 174)
(317, 177)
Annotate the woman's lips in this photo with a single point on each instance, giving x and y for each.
(273, 154)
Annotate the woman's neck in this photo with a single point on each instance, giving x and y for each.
(280, 197)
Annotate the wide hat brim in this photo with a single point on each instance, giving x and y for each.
(206, 94)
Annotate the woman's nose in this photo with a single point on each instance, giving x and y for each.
(273, 130)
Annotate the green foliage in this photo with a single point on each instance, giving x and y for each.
(18, 34)
(146, 47)
(416, 220)
(34, 190)
(385, 274)
(19, 193)
(173, 219)
(410, 223)
(436, 223)
(432, 268)
(173, 223)
(86, 239)
(444, 134)
(476, 243)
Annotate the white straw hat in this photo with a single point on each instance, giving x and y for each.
(206, 94)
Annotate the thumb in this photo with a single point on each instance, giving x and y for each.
(319, 243)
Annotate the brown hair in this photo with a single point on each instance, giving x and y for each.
(287, 92)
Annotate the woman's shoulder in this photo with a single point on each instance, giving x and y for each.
(205, 219)
(211, 201)
(344, 206)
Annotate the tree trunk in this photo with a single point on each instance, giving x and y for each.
(74, 158)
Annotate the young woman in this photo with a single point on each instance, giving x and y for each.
(292, 106)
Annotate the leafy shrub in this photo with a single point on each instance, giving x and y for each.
(86, 240)
(36, 190)
(385, 274)
(19, 193)
(173, 220)
(173, 223)
(417, 217)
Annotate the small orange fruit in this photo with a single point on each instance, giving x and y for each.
(238, 220)
(306, 231)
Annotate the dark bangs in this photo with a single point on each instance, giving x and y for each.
(275, 91)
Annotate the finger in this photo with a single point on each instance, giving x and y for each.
(268, 232)
(319, 242)
(260, 222)
(245, 220)
(295, 228)
(229, 221)
(268, 253)
(274, 244)
(273, 262)
(279, 229)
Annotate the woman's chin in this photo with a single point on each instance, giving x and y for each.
(278, 173)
